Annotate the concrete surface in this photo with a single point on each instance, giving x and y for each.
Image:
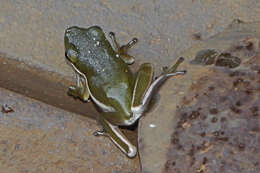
(33, 30)
(208, 120)
(45, 86)
(36, 137)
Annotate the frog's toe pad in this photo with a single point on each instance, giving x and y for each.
(132, 152)
(72, 88)
(99, 133)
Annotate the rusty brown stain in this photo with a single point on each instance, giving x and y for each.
(219, 120)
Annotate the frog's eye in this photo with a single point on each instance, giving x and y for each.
(71, 55)
(96, 33)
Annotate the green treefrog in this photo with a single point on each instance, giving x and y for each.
(104, 77)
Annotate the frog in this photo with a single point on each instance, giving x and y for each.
(104, 77)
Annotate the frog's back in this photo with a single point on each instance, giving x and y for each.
(109, 78)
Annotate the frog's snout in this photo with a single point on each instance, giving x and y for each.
(70, 30)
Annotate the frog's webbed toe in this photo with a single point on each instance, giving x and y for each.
(126, 47)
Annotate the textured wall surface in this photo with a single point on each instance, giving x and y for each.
(32, 31)
(35, 137)
(208, 120)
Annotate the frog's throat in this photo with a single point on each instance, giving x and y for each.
(104, 107)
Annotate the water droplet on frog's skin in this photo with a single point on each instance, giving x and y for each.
(98, 43)
(117, 55)
(94, 38)
(88, 51)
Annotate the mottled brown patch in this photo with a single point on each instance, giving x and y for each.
(214, 119)
(205, 57)
(213, 111)
(227, 60)
(219, 125)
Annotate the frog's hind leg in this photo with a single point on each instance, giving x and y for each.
(142, 82)
(160, 79)
(117, 137)
(143, 91)
(123, 50)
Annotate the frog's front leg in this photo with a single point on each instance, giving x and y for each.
(80, 90)
(144, 88)
(117, 137)
(122, 50)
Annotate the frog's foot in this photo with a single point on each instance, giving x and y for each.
(100, 133)
(123, 50)
(173, 69)
(118, 138)
(78, 92)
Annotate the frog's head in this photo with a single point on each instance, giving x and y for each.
(76, 39)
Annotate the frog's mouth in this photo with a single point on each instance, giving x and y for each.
(69, 61)
(67, 58)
